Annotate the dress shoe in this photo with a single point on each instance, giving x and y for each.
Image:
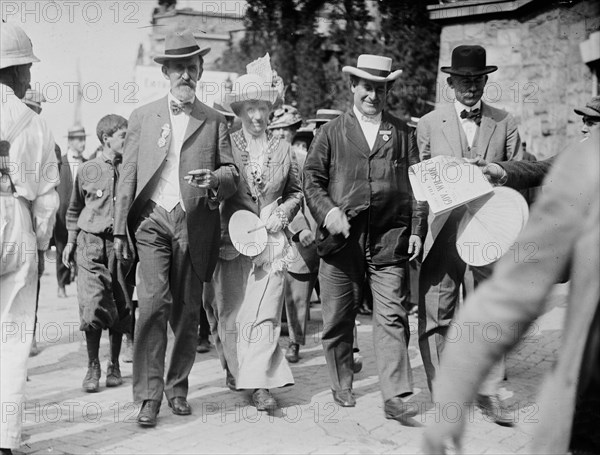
(491, 407)
(62, 293)
(91, 382)
(149, 413)
(230, 381)
(263, 400)
(344, 398)
(113, 374)
(358, 364)
(292, 354)
(127, 353)
(180, 406)
(203, 346)
(396, 409)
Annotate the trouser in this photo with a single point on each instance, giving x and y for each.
(168, 291)
(203, 326)
(63, 273)
(17, 317)
(441, 276)
(298, 289)
(342, 277)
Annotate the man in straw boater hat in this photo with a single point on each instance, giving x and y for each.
(471, 129)
(70, 162)
(356, 185)
(177, 168)
(28, 203)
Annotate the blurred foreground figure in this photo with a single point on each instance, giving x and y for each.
(564, 225)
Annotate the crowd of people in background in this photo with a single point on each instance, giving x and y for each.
(145, 226)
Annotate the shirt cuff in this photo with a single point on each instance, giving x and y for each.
(502, 180)
(327, 216)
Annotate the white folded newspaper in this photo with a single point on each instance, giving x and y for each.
(447, 182)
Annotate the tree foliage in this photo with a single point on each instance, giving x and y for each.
(311, 40)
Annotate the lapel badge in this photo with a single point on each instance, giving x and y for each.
(385, 134)
(164, 134)
(161, 142)
(99, 193)
(386, 137)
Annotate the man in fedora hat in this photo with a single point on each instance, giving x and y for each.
(471, 129)
(28, 203)
(590, 115)
(177, 168)
(70, 162)
(356, 185)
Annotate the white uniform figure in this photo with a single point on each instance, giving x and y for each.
(28, 204)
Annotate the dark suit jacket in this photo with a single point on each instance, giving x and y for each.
(526, 174)
(341, 171)
(439, 133)
(64, 189)
(206, 145)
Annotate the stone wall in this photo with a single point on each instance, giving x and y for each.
(541, 76)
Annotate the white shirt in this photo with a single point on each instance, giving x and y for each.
(257, 146)
(36, 176)
(369, 125)
(168, 193)
(469, 126)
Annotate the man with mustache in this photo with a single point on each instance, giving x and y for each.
(177, 168)
(471, 129)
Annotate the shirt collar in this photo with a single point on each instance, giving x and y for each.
(360, 115)
(461, 107)
(71, 156)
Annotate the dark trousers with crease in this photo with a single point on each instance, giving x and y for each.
(168, 291)
(342, 277)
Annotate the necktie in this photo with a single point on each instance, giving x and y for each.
(178, 108)
(474, 115)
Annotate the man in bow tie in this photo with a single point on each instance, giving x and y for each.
(177, 168)
(471, 129)
(369, 226)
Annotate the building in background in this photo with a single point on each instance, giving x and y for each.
(548, 54)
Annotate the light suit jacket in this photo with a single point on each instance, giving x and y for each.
(440, 133)
(564, 225)
(206, 145)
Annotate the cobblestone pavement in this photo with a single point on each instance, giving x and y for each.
(61, 419)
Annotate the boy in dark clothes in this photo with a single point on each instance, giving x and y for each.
(90, 218)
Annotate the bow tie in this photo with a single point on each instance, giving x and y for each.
(474, 115)
(177, 108)
(376, 120)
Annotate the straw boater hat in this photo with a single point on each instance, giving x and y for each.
(373, 68)
(250, 87)
(76, 131)
(180, 45)
(15, 46)
(468, 61)
(591, 109)
(285, 117)
(325, 115)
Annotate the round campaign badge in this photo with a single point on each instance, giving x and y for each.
(99, 193)
(248, 233)
(386, 137)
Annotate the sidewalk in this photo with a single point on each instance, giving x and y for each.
(61, 419)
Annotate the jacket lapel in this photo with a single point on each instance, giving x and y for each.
(197, 118)
(486, 129)
(355, 134)
(385, 129)
(450, 129)
(162, 122)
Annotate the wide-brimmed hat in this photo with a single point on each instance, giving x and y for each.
(76, 131)
(591, 109)
(373, 68)
(468, 60)
(250, 87)
(15, 46)
(180, 45)
(325, 115)
(221, 110)
(285, 117)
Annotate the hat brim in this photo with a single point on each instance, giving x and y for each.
(74, 136)
(160, 59)
(8, 61)
(589, 112)
(273, 126)
(370, 77)
(468, 73)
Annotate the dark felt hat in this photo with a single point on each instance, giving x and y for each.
(468, 60)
